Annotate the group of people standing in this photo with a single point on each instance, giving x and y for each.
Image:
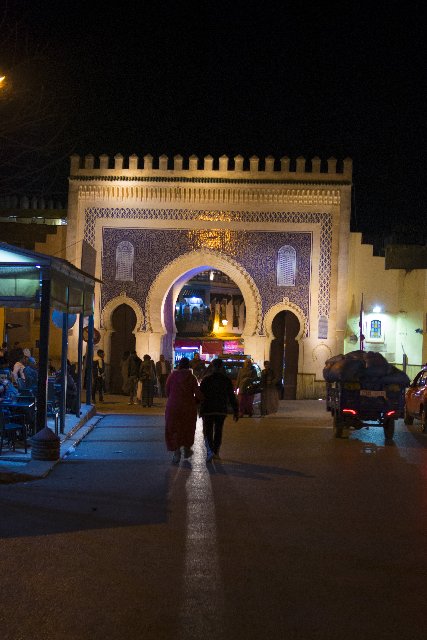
(142, 378)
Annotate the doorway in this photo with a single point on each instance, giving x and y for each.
(284, 352)
(123, 321)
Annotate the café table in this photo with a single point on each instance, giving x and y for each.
(25, 407)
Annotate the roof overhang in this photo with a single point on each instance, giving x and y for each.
(22, 272)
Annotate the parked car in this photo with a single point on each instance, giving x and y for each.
(416, 400)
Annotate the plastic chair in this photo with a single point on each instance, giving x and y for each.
(11, 430)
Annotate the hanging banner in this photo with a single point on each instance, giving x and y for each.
(183, 342)
(212, 347)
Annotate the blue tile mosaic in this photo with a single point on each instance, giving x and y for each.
(256, 251)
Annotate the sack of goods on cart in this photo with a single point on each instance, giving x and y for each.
(368, 368)
(363, 387)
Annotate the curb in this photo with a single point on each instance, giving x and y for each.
(37, 469)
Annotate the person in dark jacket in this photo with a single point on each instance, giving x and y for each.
(98, 376)
(134, 364)
(163, 369)
(217, 392)
(147, 376)
(71, 391)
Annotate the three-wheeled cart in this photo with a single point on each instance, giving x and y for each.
(352, 406)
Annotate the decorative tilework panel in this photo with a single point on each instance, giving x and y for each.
(256, 251)
(230, 242)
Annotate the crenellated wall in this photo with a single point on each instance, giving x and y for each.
(300, 169)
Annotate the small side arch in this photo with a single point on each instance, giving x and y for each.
(286, 305)
(107, 312)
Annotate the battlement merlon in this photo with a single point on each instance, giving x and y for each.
(300, 170)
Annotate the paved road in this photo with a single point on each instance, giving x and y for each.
(292, 535)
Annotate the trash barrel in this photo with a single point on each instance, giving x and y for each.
(45, 445)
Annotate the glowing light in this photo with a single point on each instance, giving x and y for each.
(224, 322)
(377, 309)
(211, 275)
(215, 239)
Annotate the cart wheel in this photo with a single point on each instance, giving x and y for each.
(389, 428)
(338, 428)
(407, 419)
(424, 420)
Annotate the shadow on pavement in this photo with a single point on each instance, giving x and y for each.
(251, 471)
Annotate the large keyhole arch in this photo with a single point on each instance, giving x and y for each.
(187, 266)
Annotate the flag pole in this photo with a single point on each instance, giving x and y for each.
(362, 337)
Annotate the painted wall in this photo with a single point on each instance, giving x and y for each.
(401, 296)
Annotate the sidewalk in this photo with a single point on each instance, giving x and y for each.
(17, 466)
(288, 409)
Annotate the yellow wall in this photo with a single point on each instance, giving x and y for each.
(401, 295)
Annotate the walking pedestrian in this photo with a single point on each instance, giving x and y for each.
(147, 376)
(245, 378)
(98, 376)
(183, 396)
(163, 369)
(133, 374)
(269, 391)
(217, 393)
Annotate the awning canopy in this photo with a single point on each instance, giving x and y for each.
(21, 274)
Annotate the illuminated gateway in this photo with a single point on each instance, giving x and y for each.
(278, 230)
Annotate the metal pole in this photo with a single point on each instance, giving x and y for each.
(41, 421)
(361, 336)
(405, 362)
(89, 360)
(64, 369)
(79, 364)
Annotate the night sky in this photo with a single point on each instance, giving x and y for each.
(326, 79)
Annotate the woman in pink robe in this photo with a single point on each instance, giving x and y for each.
(183, 396)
